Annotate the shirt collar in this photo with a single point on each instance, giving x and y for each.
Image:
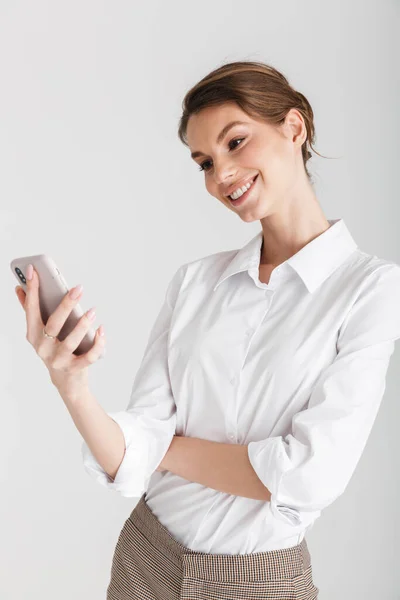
(313, 263)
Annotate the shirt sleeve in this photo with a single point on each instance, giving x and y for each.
(311, 467)
(149, 421)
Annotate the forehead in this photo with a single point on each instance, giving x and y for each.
(210, 120)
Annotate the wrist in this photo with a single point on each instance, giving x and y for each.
(72, 395)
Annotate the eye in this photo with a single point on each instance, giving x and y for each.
(203, 168)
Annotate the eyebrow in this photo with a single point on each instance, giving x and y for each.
(220, 137)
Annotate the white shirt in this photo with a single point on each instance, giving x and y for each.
(295, 369)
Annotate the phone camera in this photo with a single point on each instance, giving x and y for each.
(20, 275)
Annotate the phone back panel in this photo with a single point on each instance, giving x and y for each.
(52, 289)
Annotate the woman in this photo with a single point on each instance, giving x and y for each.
(262, 375)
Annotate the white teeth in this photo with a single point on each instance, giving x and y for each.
(240, 191)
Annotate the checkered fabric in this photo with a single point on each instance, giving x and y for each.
(149, 564)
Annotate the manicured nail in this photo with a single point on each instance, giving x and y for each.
(91, 314)
(29, 272)
(74, 293)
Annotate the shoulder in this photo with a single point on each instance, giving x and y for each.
(208, 267)
(370, 270)
(205, 269)
(374, 313)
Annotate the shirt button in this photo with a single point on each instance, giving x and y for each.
(233, 381)
(231, 436)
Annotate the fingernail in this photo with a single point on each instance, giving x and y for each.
(91, 314)
(74, 293)
(29, 272)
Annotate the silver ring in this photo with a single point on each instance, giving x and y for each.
(53, 337)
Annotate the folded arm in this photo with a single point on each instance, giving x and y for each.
(222, 467)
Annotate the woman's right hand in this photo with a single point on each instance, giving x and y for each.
(68, 372)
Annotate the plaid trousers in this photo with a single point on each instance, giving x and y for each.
(149, 564)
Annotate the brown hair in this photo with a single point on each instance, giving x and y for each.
(259, 90)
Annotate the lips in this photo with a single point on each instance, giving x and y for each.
(252, 181)
(240, 185)
(243, 197)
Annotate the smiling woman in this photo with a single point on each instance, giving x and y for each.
(258, 89)
(211, 503)
(250, 132)
(260, 383)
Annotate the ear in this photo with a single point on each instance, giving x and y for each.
(296, 126)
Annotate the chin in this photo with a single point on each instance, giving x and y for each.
(255, 213)
(248, 217)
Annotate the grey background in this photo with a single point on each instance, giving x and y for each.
(92, 173)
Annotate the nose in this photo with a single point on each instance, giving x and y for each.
(224, 175)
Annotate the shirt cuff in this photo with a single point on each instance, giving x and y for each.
(132, 478)
(270, 462)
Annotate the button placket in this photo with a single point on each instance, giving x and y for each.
(231, 426)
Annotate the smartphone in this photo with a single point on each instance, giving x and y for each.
(52, 289)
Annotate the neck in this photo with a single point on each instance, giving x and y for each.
(287, 231)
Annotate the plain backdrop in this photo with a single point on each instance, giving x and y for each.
(93, 174)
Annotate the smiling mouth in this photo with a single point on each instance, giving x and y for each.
(244, 196)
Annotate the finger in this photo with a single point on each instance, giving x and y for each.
(32, 308)
(20, 295)
(58, 318)
(92, 355)
(74, 338)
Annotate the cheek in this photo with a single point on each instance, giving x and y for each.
(268, 158)
(211, 188)
(253, 157)
(280, 165)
